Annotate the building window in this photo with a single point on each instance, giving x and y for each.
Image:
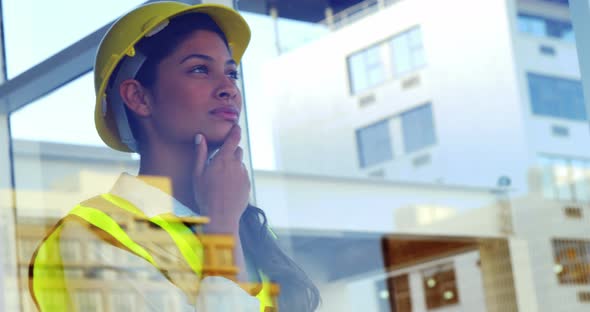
(374, 144)
(400, 299)
(440, 286)
(418, 128)
(366, 69)
(556, 97)
(545, 27)
(572, 261)
(565, 178)
(407, 52)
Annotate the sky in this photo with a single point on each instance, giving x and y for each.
(35, 30)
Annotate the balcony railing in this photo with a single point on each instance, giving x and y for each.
(355, 13)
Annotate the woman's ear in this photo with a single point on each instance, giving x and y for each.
(136, 97)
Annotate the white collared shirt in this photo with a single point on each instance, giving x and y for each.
(152, 201)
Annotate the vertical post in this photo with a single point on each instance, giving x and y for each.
(329, 17)
(580, 15)
(9, 291)
(274, 13)
(497, 275)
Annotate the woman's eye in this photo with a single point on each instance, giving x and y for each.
(200, 69)
(234, 75)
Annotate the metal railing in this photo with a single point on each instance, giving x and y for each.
(355, 13)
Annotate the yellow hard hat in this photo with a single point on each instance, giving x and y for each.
(120, 41)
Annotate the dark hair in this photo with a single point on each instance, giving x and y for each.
(262, 253)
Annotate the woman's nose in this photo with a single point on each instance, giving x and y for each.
(227, 89)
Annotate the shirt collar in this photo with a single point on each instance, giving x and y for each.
(149, 199)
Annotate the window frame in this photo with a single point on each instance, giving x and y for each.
(361, 157)
(405, 134)
(386, 48)
(561, 108)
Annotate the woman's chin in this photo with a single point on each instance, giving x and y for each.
(215, 140)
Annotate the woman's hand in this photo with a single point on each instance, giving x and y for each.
(221, 187)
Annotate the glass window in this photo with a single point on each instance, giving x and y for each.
(572, 261)
(374, 144)
(58, 161)
(418, 128)
(545, 27)
(565, 178)
(36, 30)
(366, 69)
(400, 296)
(556, 97)
(581, 179)
(407, 52)
(440, 286)
(438, 237)
(531, 25)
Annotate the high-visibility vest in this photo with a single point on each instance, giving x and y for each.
(103, 215)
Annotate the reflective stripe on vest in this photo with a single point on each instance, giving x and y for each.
(47, 281)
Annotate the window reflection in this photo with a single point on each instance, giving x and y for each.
(556, 97)
(545, 27)
(368, 68)
(566, 178)
(374, 144)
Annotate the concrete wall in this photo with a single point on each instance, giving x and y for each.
(328, 203)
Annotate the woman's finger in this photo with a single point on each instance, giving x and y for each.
(239, 153)
(231, 142)
(201, 154)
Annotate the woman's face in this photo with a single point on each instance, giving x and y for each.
(196, 92)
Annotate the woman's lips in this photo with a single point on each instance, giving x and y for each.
(226, 113)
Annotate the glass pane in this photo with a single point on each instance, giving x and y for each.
(556, 97)
(357, 71)
(418, 128)
(580, 180)
(401, 55)
(59, 161)
(36, 30)
(465, 110)
(407, 51)
(365, 198)
(366, 68)
(374, 144)
(531, 25)
(548, 178)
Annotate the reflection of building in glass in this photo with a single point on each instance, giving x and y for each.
(572, 261)
(94, 283)
(440, 286)
(346, 259)
(447, 103)
(95, 286)
(486, 94)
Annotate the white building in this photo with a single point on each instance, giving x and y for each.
(457, 92)
(439, 91)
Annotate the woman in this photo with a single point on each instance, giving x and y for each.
(166, 85)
